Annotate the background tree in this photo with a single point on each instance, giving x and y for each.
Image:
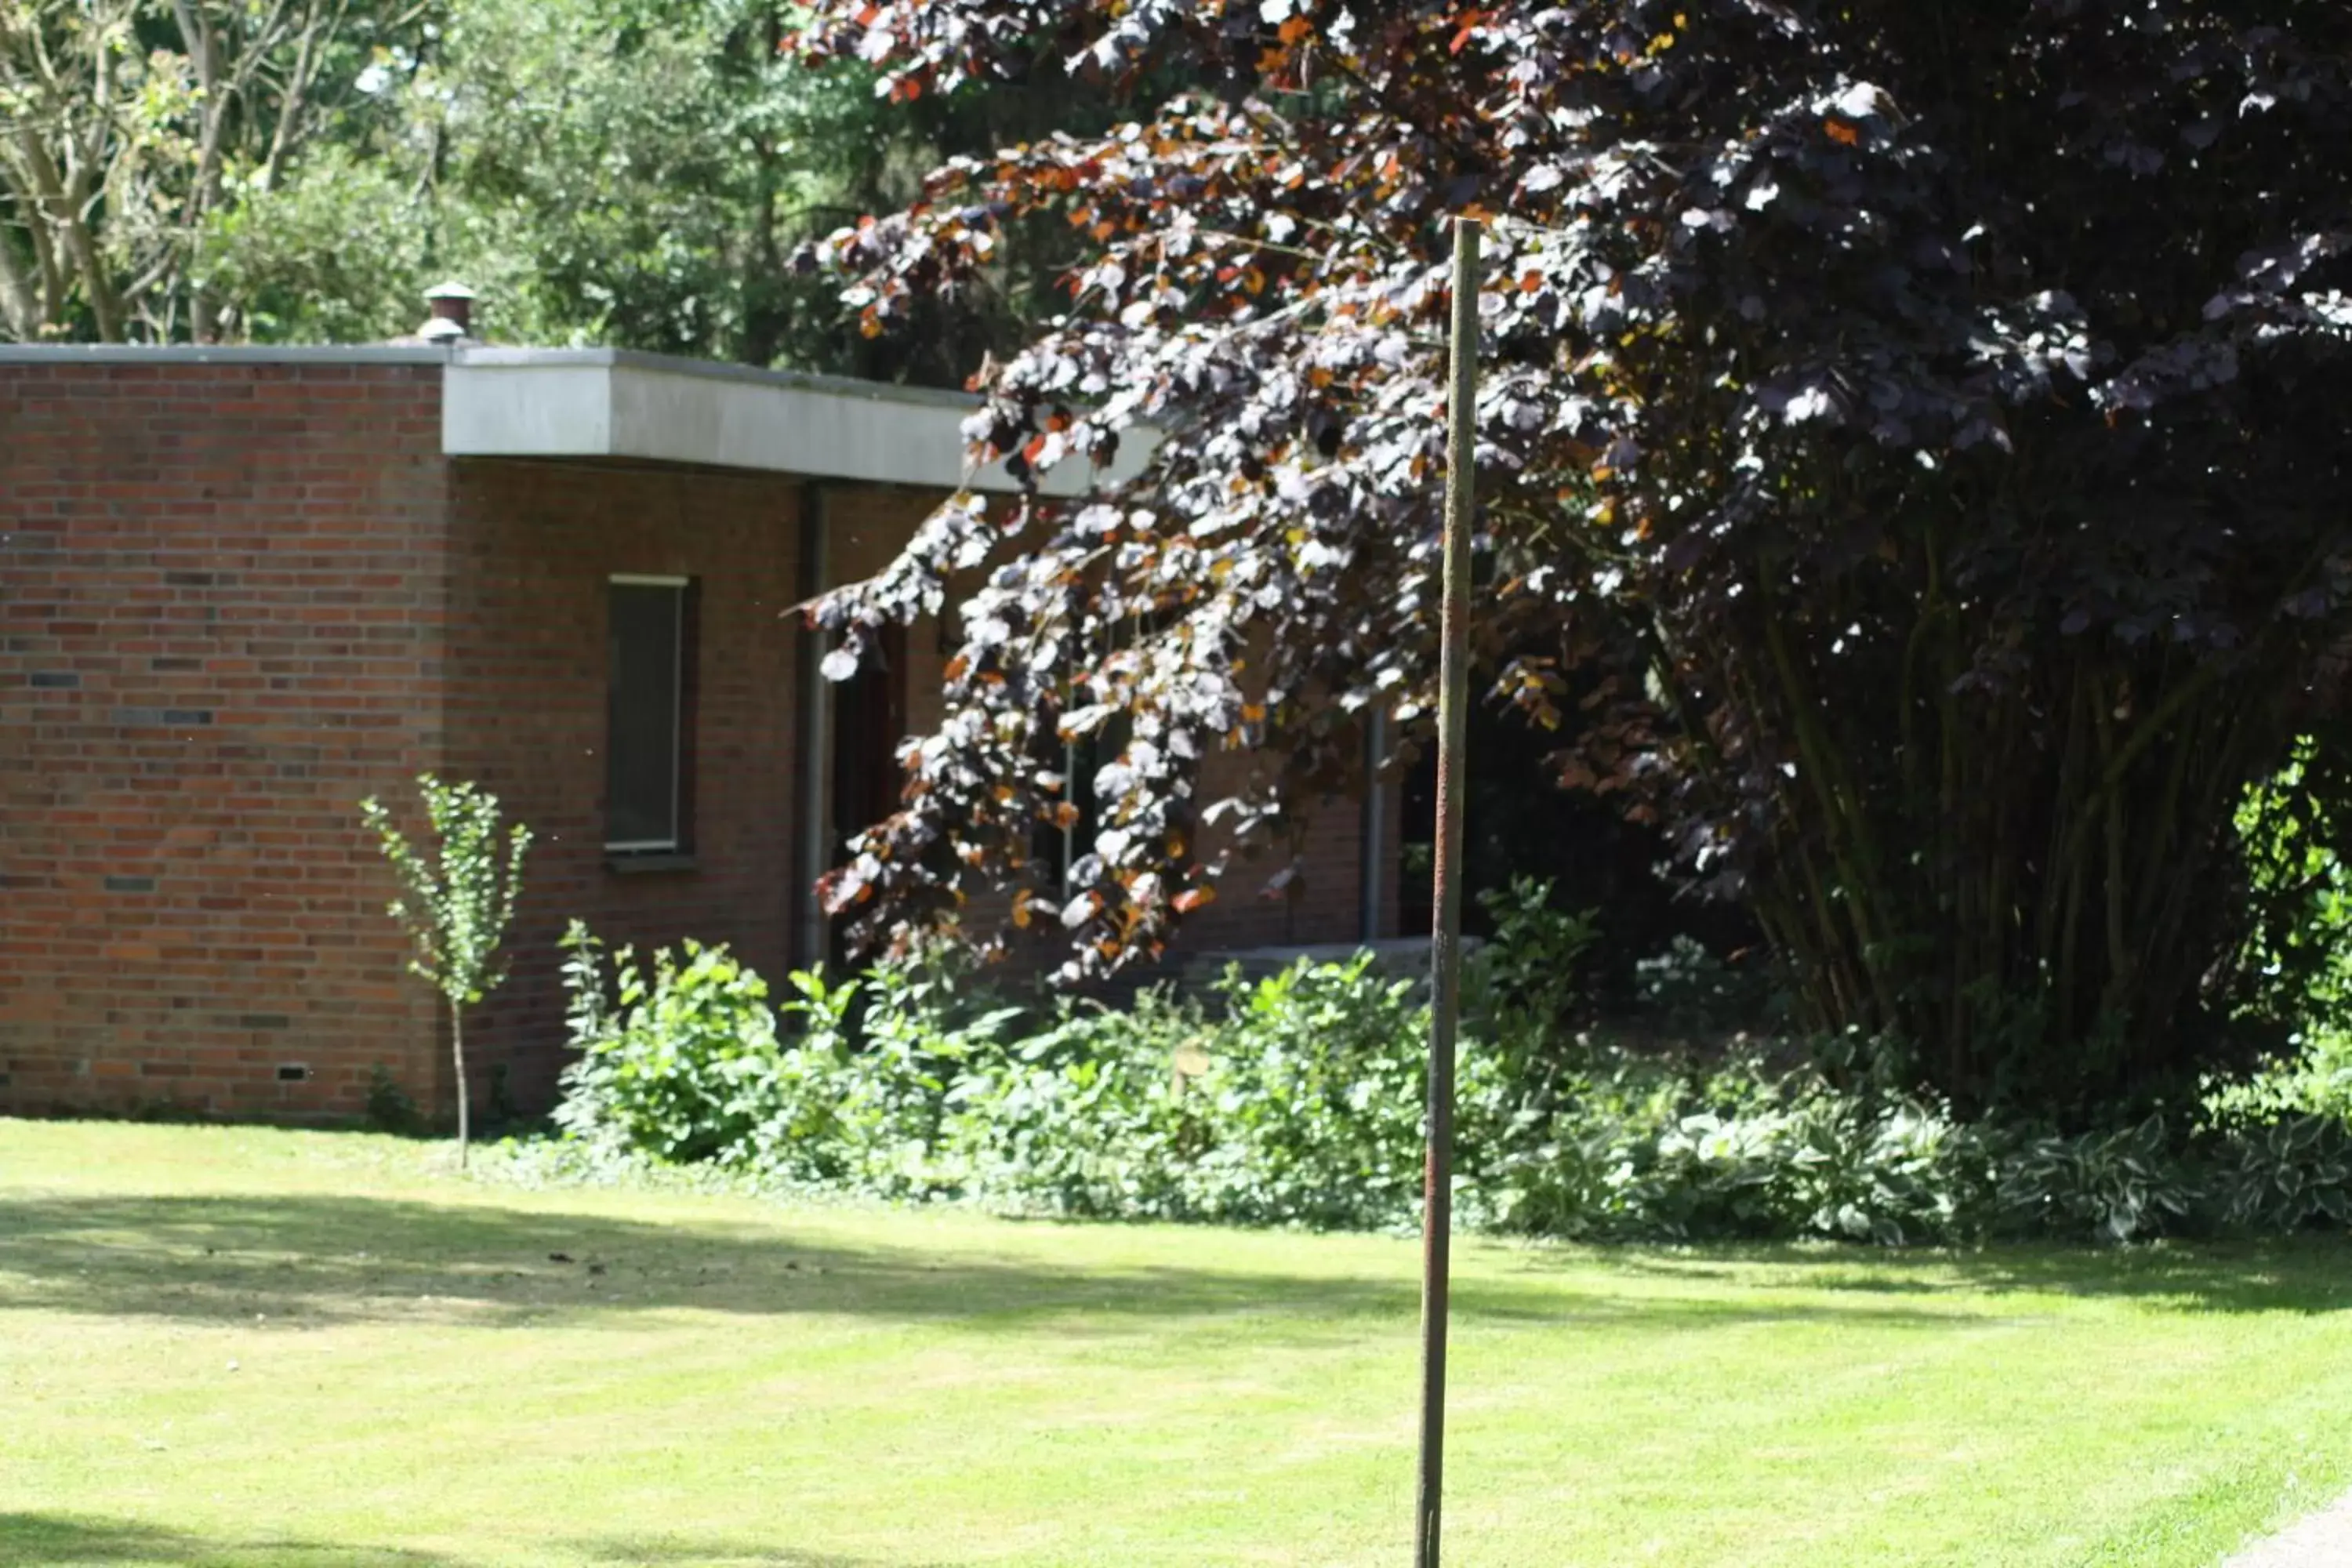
(625, 172)
(128, 127)
(1911, 446)
(456, 905)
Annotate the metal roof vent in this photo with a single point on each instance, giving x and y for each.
(452, 305)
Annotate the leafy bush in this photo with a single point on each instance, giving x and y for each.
(683, 1066)
(390, 1107)
(2115, 1185)
(2299, 890)
(1692, 992)
(1532, 977)
(2317, 1080)
(2286, 1176)
(1641, 1147)
(1296, 1100)
(1099, 1113)
(685, 1062)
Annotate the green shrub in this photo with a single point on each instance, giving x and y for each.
(2120, 1185)
(866, 1099)
(2316, 1080)
(390, 1107)
(1101, 1113)
(2287, 1176)
(1692, 993)
(1643, 1147)
(1296, 1100)
(1314, 1097)
(680, 1063)
(2299, 892)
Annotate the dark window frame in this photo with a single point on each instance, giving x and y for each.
(679, 842)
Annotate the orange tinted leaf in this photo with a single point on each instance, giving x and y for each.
(1842, 133)
(1191, 898)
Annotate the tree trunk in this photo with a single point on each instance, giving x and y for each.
(20, 296)
(458, 1049)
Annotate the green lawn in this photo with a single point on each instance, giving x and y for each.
(246, 1347)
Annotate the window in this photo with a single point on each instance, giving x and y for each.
(646, 776)
(1059, 849)
(869, 720)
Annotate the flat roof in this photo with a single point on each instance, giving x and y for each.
(224, 353)
(617, 402)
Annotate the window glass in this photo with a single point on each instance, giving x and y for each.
(644, 741)
(1059, 849)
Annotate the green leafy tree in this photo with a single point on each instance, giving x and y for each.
(130, 129)
(455, 904)
(635, 173)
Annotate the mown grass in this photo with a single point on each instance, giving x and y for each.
(252, 1348)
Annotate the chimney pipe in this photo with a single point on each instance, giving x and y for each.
(452, 305)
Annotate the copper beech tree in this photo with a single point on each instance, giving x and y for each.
(1911, 443)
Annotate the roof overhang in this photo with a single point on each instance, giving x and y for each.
(609, 402)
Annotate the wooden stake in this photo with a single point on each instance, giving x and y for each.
(1445, 940)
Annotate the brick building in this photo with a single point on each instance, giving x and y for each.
(241, 589)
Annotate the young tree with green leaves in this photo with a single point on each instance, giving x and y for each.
(456, 903)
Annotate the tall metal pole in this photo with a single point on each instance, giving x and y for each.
(1445, 940)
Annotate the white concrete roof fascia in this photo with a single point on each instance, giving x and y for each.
(549, 409)
(609, 403)
(616, 403)
(494, 356)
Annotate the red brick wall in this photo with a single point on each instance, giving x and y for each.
(219, 609)
(535, 543)
(236, 596)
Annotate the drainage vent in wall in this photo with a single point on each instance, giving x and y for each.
(293, 1072)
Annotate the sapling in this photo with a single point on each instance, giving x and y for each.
(455, 904)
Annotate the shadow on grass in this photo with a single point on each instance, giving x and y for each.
(78, 1540)
(661, 1551)
(69, 1541)
(314, 1259)
(2298, 1275)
